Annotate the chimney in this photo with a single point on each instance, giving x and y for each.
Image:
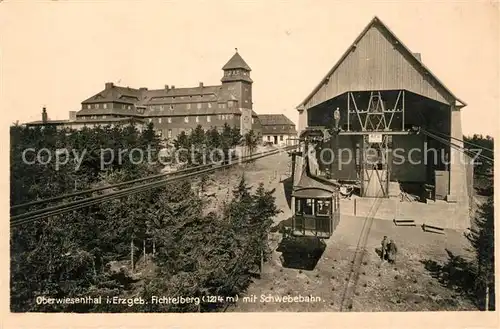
(166, 87)
(201, 84)
(44, 115)
(108, 85)
(72, 115)
(143, 89)
(173, 87)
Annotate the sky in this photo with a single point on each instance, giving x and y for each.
(58, 53)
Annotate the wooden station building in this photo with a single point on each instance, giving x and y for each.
(379, 110)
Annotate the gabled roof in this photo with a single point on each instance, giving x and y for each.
(275, 119)
(399, 44)
(236, 62)
(276, 124)
(116, 94)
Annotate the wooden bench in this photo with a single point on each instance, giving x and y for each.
(404, 222)
(432, 229)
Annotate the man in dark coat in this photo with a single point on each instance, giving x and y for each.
(383, 251)
(391, 252)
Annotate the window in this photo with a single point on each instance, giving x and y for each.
(129, 107)
(209, 105)
(161, 107)
(253, 121)
(198, 105)
(169, 120)
(123, 106)
(208, 118)
(96, 106)
(159, 120)
(186, 119)
(323, 207)
(104, 117)
(281, 138)
(269, 138)
(89, 106)
(105, 106)
(197, 119)
(169, 134)
(171, 107)
(298, 205)
(308, 206)
(150, 120)
(304, 206)
(230, 104)
(188, 106)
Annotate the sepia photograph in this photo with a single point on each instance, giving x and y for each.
(250, 156)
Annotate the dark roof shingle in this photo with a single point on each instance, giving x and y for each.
(236, 62)
(276, 124)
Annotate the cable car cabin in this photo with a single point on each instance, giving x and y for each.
(316, 206)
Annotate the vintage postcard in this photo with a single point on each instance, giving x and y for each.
(244, 157)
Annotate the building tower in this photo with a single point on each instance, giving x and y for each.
(237, 81)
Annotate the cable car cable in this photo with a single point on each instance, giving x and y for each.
(460, 140)
(33, 215)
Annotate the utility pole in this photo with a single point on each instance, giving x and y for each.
(487, 297)
(132, 254)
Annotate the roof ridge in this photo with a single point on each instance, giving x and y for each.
(373, 21)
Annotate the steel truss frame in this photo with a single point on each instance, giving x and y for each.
(377, 118)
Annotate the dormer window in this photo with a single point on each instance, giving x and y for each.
(230, 103)
(89, 106)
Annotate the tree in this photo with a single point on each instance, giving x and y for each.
(251, 141)
(481, 238)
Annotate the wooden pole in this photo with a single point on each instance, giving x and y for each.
(487, 298)
(132, 254)
(261, 260)
(144, 249)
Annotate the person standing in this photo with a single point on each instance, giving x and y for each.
(336, 116)
(392, 250)
(383, 251)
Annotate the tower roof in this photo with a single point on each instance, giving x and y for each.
(236, 62)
